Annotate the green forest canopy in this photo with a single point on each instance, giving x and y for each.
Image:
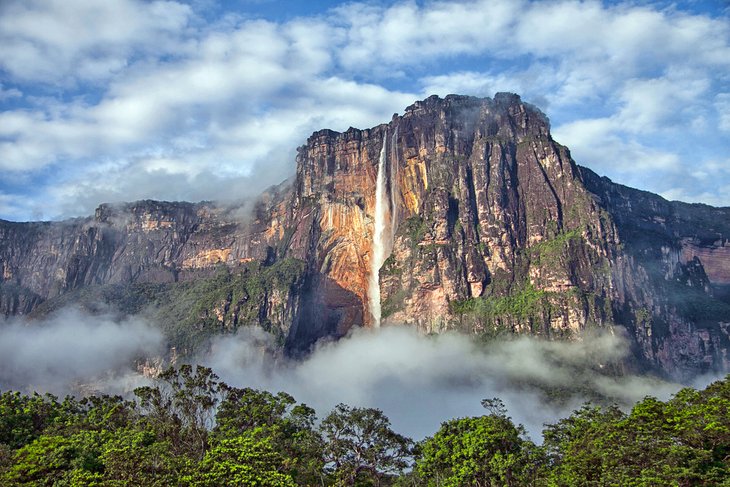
(191, 429)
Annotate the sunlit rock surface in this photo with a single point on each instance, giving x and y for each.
(493, 228)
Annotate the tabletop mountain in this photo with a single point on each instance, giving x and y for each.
(462, 213)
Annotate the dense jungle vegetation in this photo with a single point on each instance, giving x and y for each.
(191, 429)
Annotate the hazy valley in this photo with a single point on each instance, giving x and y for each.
(454, 254)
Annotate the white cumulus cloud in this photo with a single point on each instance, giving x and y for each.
(103, 101)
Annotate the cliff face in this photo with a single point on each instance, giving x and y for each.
(494, 228)
(146, 241)
(473, 184)
(671, 275)
(490, 227)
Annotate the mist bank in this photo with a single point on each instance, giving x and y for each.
(74, 352)
(418, 381)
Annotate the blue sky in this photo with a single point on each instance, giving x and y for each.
(125, 99)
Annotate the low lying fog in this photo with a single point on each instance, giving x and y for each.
(73, 349)
(418, 381)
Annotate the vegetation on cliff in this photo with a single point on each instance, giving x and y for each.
(190, 312)
(189, 428)
(494, 228)
(498, 314)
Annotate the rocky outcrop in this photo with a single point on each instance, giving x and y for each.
(146, 241)
(495, 228)
(670, 276)
(474, 184)
(491, 228)
(331, 224)
(714, 257)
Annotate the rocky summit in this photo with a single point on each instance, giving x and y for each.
(461, 214)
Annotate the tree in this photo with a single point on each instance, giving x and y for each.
(104, 412)
(685, 441)
(572, 445)
(701, 422)
(56, 459)
(23, 418)
(138, 457)
(246, 409)
(359, 442)
(246, 459)
(181, 407)
(288, 425)
(478, 451)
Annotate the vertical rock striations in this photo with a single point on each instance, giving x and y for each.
(671, 281)
(483, 223)
(495, 228)
(484, 203)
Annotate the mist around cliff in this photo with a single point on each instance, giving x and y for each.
(418, 381)
(73, 352)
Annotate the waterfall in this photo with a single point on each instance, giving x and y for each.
(379, 238)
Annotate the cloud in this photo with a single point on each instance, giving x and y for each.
(722, 105)
(13, 203)
(8, 94)
(661, 104)
(597, 143)
(73, 351)
(405, 34)
(228, 115)
(710, 198)
(531, 83)
(203, 94)
(420, 381)
(69, 41)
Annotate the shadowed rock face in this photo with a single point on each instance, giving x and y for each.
(492, 227)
